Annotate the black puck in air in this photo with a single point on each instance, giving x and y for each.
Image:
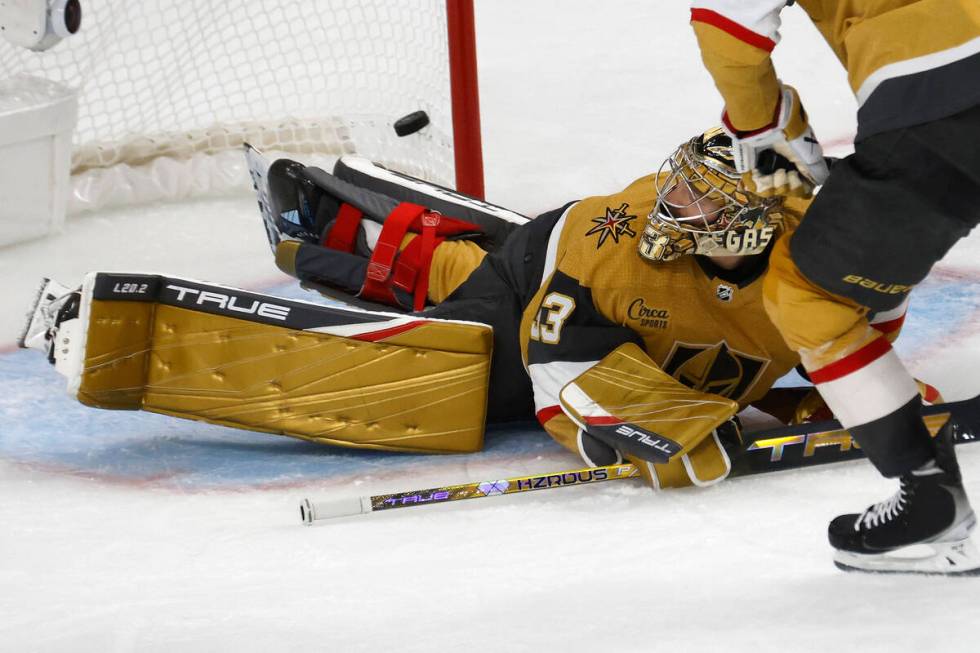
(411, 123)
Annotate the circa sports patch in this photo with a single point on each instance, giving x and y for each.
(614, 224)
(647, 315)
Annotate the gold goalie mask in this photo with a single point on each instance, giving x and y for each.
(702, 206)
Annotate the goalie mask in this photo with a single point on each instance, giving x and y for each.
(703, 208)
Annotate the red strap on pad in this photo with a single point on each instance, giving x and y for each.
(411, 271)
(344, 232)
(382, 260)
(430, 222)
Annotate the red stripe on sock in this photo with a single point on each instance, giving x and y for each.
(852, 362)
(891, 325)
(547, 413)
(729, 26)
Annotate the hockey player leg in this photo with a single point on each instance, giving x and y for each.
(925, 526)
(884, 218)
(239, 359)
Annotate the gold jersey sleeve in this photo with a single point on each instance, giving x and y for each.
(908, 61)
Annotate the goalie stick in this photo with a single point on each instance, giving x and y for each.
(769, 450)
(346, 507)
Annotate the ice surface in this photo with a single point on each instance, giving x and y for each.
(133, 532)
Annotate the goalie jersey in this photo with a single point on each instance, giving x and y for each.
(702, 325)
(563, 293)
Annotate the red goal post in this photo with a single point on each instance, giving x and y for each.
(467, 141)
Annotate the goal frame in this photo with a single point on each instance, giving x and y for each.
(465, 96)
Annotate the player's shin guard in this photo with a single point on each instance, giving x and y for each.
(230, 357)
(925, 526)
(852, 364)
(873, 396)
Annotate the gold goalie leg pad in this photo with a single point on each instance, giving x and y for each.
(326, 374)
(629, 403)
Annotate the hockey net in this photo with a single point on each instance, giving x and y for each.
(169, 90)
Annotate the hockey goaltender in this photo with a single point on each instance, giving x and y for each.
(630, 325)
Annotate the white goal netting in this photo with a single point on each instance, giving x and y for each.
(170, 89)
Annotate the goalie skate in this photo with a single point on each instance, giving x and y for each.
(41, 328)
(258, 170)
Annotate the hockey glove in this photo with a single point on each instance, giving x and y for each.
(777, 176)
(789, 134)
(706, 464)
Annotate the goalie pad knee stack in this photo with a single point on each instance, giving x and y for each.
(350, 234)
(240, 359)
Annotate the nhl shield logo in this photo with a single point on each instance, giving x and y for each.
(724, 292)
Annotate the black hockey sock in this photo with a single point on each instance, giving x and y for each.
(898, 442)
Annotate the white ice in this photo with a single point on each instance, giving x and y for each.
(578, 98)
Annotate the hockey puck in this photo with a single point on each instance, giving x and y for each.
(411, 123)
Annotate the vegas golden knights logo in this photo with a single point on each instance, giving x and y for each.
(614, 224)
(714, 368)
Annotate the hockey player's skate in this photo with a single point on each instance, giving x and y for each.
(54, 304)
(923, 529)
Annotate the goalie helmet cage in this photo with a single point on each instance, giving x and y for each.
(168, 90)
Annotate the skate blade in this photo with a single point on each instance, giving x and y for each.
(258, 170)
(957, 558)
(39, 316)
